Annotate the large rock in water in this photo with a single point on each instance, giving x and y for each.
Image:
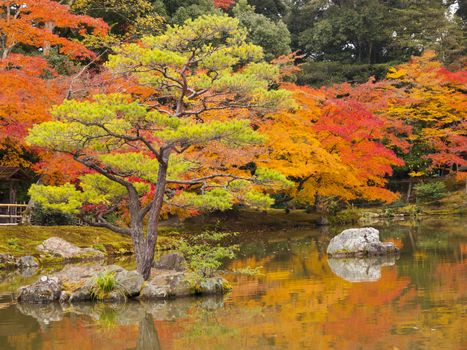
(45, 290)
(171, 284)
(59, 247)
(359, 242)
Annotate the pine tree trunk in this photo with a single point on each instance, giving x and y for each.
(146, 254)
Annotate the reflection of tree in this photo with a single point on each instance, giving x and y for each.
(148, 338)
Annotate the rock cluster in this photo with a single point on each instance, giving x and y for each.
(8, 261)
(359, 242)
(58, 247)
(78, 283)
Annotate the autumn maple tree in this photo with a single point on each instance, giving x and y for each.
(135, 149)
(332, 148)
(433, 104)
(30, 85)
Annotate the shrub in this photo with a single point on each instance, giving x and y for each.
(346, 216)
(430, 191)
(104, 284)
(48, 217)
(206, 252)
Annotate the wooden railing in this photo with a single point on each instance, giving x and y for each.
(12, 214)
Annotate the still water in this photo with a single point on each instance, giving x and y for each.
(301, 301)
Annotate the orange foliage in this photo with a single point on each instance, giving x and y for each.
(434, 104)
(30, 86)
(33, 22)
(334, 147)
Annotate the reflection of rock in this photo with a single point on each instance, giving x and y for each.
(44, 313)
(129, 313)
(360, 269)
(59, 247)
(359, 242)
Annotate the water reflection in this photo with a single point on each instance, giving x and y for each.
(302, 301)
(360, 269)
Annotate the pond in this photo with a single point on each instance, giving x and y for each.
(300, 301)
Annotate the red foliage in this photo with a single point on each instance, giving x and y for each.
(224, 4)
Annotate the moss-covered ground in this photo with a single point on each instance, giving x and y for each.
(23, 240)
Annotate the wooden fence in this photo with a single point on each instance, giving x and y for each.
(12, 214)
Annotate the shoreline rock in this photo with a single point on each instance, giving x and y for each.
(359, 242)
(78, 284)
(58, 247)
(8, 261)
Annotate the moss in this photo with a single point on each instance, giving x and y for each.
(27, 238)
(99, 247)
(70, 287)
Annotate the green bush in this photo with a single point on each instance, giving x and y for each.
(430, 191)
(104, 284)
(47, 217)
(346, 216)
(206, 252)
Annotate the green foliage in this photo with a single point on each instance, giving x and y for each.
(127, 18)
(272, 36)
(181, 10)
(13, 243)
(120, 137)
(355, 39)
(346, 216)
(49, 217)
(250, 271)
(104, 284)
(65, 198)
(430, 191)
(205, 253)
(317, 73)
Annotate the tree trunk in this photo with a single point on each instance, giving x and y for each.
(409, 191)
(147, 255)
(50, 26)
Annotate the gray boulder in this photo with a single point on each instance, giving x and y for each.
(359, 242)
(26, 262)
(172, 261)
(59, 247)
(213, 285)
(131, 282)
(171, 284)
(45, 290)
(166, 285)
